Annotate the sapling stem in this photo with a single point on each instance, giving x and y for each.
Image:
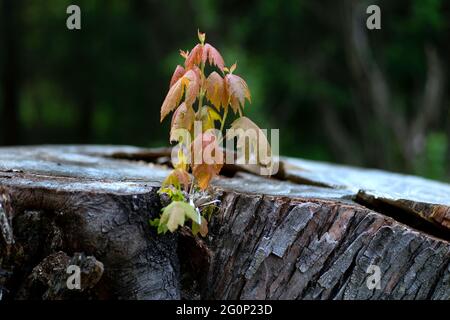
(224, 118)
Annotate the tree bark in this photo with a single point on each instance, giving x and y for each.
(316, 232)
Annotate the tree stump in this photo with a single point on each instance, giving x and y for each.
(315, 231)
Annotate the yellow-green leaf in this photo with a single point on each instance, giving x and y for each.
(208, 116)
(174, 214)
(177, 178)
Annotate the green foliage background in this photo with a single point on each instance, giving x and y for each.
(105, 83)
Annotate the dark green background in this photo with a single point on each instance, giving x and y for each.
(105, 83)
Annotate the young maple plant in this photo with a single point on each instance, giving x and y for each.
(196, 99)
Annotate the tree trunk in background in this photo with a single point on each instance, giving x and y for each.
(10, 22)
(317, 232)
(374, 95)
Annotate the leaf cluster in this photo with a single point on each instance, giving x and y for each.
(214, 94)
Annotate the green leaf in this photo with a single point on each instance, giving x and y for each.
(162, 228)
(209, 210)
(194, 215)
(154, 222)
(177, 178)
(174, 193)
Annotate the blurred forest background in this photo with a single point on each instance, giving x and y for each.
(337, 91)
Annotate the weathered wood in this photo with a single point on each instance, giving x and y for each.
(49, 278)
(277, 248)
(306, 238)
(93, 205)
(426, 199)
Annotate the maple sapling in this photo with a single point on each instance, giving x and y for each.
(197, 128)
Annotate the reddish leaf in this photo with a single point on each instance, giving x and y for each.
(177, 74)
(183, 118)
(237, 90)
(194, 57)
(208, 159)
(252, 142)
(184, 54)
(215, 90)
(213, 56)
(173, 98)
(192, 85)
(202, 142)
(202, 53)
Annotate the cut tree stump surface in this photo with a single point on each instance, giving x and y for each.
(427, 199)
(312, 232)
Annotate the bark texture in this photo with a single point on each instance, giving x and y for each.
(316, 232)
(279, 248)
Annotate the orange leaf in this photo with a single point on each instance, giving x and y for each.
(203, 141)
(177, 74)
(183, 118)
(213, 56)
(192, 78)
(204, 173)
(237, 90)
(173, 98)
(207, 168)
(189, 82)
(215, 90)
